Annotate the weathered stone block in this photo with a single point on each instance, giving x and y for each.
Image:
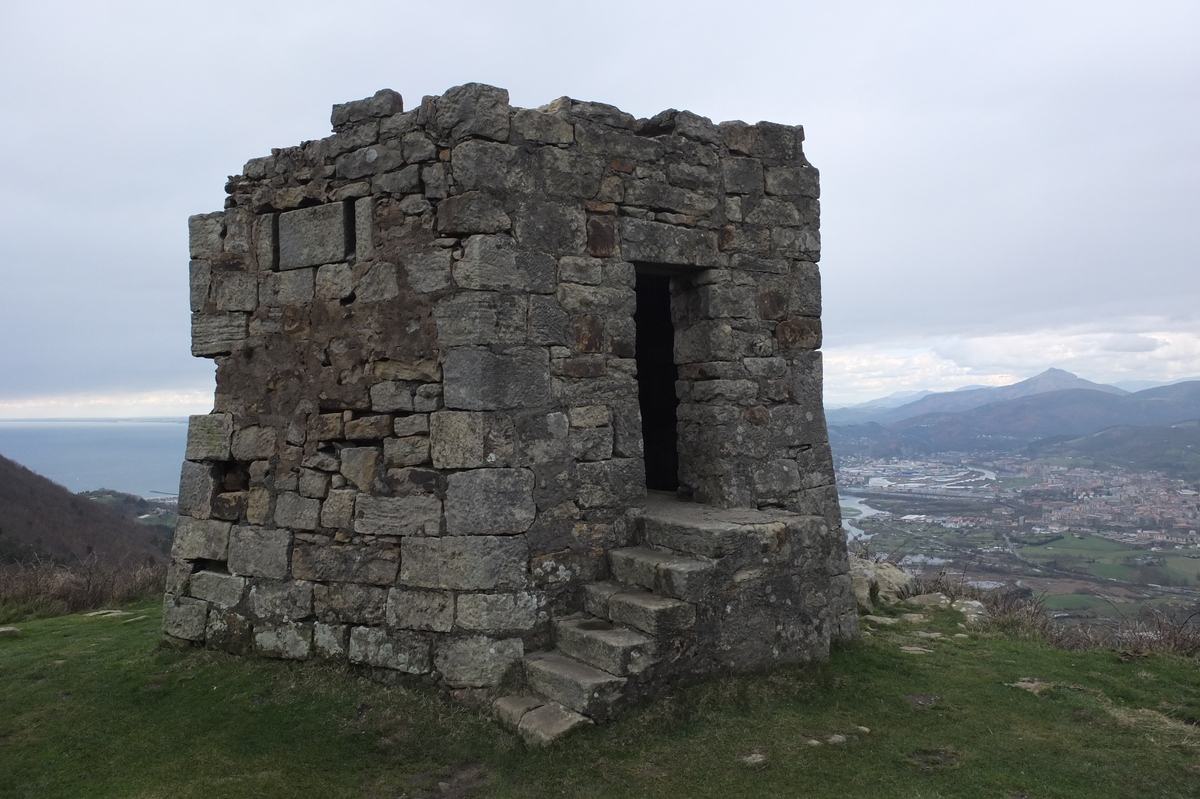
(290, 640)
(390, 649)
(413, 515)
(592, 443)
(229, 631)
(799, 332)
(378, 284)
(802, 181)
(235, 291)
(184, 617)
(255, 443)
(420, 610)
(373, 564)
(414, 369)
(297, 512)
(742, 175)
(428, 398)
(334, 282)
(553, 228)
(473, 109)
(538, 126)
(313, 484)
(489, 502)
(416, 424)
(408, 451)
(481, 380)
(259, 552)
(313, 236)
(222, 590)
(485, 165)
(325, 426)
(384, 103)
(349, 604)
(205, 232)
(457, 440)
(258, 505)
(428, 271)
(402, 181)
(497, 612)
(369, 427)
(478, 661)
(467, 563)
(365, 162)
(196, 539)
(330, 640)
(481, 318)
(337, 510)
(217, 334)
(471, 212)
(359, 465)
(296, 287)
(209, 437)
(199, 283)
(281, 601)
(390, 395)
(655, 242)
(493, 263)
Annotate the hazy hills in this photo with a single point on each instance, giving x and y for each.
(40, 517)
(1015, 416)
(885, 411)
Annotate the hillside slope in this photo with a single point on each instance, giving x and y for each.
(40, 516)
(1174, 449)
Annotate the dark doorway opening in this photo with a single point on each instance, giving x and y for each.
(656, 376)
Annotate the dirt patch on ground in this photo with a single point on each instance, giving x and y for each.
(923, 700)
(1031, 684)
(462, 783)
(931, 759)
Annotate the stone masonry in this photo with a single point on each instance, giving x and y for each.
(526, 401)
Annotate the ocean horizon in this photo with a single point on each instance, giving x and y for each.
(137, 456)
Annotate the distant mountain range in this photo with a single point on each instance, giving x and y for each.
(40, 518)
(1053, 407)
(963, 399)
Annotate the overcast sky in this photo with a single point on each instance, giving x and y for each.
(1006, 186)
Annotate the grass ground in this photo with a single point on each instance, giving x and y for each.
(93, 706)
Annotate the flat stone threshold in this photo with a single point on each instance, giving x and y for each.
(665, 506)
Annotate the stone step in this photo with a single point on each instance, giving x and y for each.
(633, 607)
(538, 720)
(700, 529)
(599, 643)
(574, 684)
(686, 577)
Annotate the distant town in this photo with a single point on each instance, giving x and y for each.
(1127, 505)
(1096, 543)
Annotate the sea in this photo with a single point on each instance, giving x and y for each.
(137, 456)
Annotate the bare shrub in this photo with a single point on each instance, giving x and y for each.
(1154, 631)
(41, 588)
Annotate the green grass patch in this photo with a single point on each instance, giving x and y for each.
(94, 707)
(1075, 602)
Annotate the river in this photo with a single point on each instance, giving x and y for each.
(854, 533)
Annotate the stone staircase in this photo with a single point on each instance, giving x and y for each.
(659, 617)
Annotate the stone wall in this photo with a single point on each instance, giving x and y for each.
(426, 434)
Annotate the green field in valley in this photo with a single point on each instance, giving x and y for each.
(1104, 558)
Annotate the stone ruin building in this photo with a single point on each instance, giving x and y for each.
(524, 401)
